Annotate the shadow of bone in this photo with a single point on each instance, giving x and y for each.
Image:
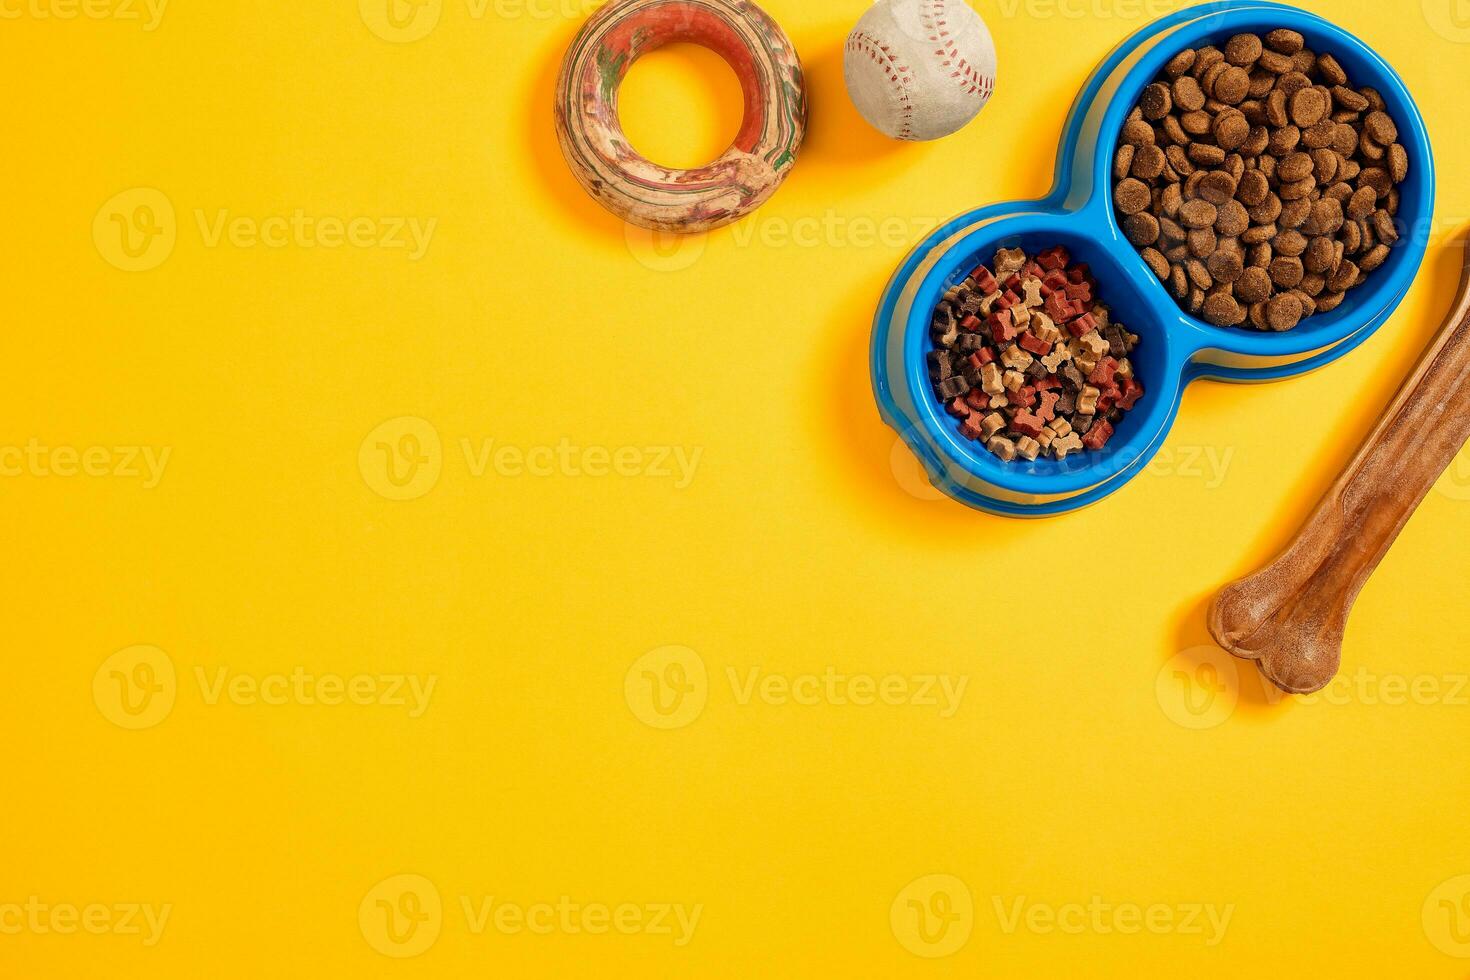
(1257, 697)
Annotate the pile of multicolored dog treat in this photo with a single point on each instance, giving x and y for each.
(1029, 361)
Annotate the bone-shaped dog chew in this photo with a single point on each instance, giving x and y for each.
(1290, 616)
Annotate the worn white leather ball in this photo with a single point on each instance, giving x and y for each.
(920, 69)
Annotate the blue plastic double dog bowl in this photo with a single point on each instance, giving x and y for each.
(1175, 349)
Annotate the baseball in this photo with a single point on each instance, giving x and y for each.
(920, 69)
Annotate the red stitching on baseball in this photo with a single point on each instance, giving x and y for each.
(933, 16)
(898, 75)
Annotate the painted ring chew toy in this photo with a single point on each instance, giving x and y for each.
(660, 198)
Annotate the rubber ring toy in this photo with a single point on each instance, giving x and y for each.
(639, 190)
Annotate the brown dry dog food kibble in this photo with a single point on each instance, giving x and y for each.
(1232, 220)
(1253, 188)
(1294, 167)
(1027, 360)
(1196, 214)
(1148, 163)
(1232, 86)
(1258, 182)
(1308, 107)
(1283, 312)
(1217, 187)
(1222, 310)
(1225, 266)
(1142, 229)
(1132, 195)
(1243, 49)
(1398, 163)
(1230, 129)
(1156, 102)
(1331, 71)
(1253, 286)
(1187, 94)
(1285, 41)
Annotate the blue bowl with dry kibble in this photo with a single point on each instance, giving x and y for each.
(1295, 266)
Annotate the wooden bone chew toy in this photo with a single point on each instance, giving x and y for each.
(1290, 617)
(663, 199)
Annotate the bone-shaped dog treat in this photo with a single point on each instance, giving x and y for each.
(1290, 616)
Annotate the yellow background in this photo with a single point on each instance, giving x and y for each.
(1100, 748)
